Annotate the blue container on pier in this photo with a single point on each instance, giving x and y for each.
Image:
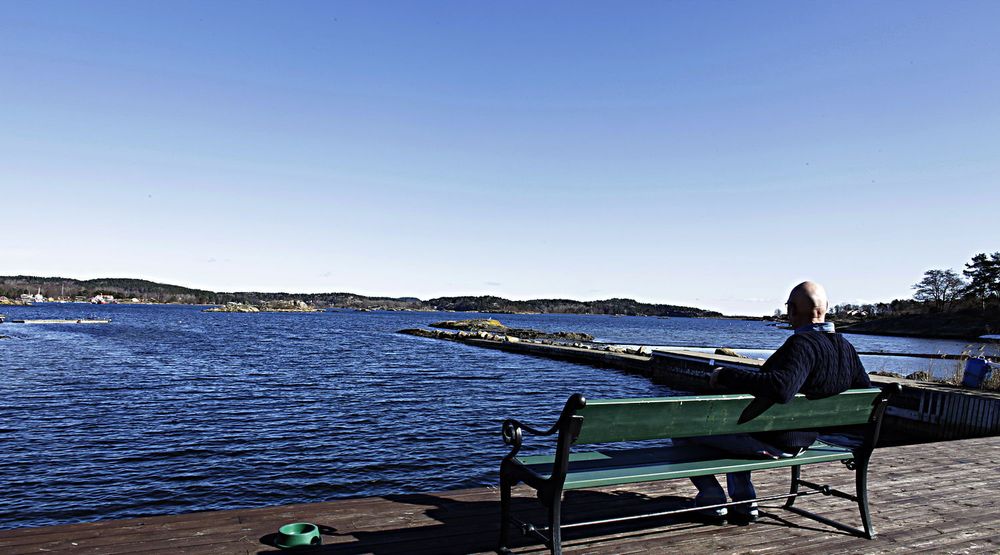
(977, 371)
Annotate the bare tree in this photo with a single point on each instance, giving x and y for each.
(940, 287)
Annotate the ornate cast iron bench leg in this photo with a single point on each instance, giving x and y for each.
(505, 494)
(861, 480)
(555, 532)
(794, 489)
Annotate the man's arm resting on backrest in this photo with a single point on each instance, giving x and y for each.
(778, 380)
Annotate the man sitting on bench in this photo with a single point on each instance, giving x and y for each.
(814, 361)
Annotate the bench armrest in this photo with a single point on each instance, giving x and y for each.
(512, 429)
(512, 426)
(512, 434)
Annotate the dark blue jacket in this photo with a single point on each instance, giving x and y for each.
(814, 363)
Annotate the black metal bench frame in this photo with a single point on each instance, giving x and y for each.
(549, 489)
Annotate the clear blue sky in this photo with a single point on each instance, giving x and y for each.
(699, 153)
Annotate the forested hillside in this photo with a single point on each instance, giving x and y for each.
(147, 291)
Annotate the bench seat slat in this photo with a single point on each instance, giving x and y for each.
(597, 468)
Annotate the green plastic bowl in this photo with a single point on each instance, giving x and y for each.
(298, 534)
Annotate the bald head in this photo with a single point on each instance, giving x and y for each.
(807, 304)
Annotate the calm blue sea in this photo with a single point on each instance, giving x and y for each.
(169, 409)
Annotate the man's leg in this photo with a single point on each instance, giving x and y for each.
(709, 490)
(739, 484)
(741, 489)
(709, 493)
(743, 445)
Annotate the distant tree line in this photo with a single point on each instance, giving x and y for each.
(124, 288)
(626, 307)
(976, 289)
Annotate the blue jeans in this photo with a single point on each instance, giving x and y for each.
(738, 483)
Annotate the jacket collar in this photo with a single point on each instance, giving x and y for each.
(825, 327)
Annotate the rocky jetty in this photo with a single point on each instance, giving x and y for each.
(500, 338)
(488, 329)
(266, 306)
(494, 326)
(729, 352)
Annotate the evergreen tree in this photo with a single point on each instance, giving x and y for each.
(983, 273)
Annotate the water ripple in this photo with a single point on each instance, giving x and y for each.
(168, 409)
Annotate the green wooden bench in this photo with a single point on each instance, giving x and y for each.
(618, 420)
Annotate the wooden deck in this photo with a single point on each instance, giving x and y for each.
(934, 498)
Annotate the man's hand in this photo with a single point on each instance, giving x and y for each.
(713, 380)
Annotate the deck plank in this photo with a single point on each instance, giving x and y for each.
(937, 498)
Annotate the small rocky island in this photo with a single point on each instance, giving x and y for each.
(265, 306)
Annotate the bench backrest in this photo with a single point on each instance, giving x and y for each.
(613, 420)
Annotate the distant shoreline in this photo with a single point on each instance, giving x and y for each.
(59, 288)
(965, 325)
(915, 335)
(852, 328)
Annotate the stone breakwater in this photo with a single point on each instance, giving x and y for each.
(494, 326)
(494, 330)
